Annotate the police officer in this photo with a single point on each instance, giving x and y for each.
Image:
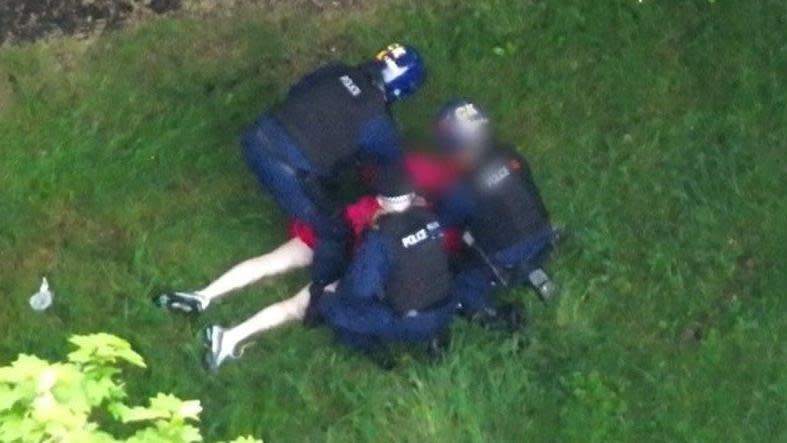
(398, 286)
(500, 208)
(332, 117)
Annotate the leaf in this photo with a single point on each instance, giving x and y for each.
(190, 434)
(20, 429)
(25, 367)
(139, 413)
(58, 417)
(147, 435)
(189, 409)
(162, 406)
(90, 435)
(47, 380)
(98, 390)
(42, 401)
(103, 348)
(245, 439)
(9, 397)
(167, 432)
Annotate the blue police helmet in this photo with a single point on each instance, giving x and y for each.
(401, 69)
(462, 125)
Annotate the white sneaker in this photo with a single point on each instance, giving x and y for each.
(187, 302)
(219, 350)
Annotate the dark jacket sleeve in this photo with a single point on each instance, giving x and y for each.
(369, 270)
(454, 209)
(380, 142)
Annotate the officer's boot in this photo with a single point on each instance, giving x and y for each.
(544, 286)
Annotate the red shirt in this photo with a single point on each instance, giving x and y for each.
(430, 175)
(358, 216)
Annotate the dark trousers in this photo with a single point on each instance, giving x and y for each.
(476, 281)
(368, 324)
(300, 194)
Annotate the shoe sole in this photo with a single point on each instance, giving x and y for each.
(172, 304)
(208, 361)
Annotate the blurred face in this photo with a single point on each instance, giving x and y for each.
(466, 153)
(467, 156)
(464, 135)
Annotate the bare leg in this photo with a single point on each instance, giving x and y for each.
(293, 254)
(276, 315)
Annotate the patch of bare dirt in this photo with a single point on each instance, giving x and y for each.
(29, 20)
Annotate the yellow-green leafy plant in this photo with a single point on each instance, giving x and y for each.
(72, 401)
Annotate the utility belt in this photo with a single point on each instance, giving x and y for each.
(445, 303)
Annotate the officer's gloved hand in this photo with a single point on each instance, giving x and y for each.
(312, 317)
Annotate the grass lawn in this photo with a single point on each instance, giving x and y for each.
(657, 131)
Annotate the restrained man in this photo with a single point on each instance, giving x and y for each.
(296, 253)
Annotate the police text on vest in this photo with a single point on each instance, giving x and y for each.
(495, 177)
(350, 85)
(414, 239)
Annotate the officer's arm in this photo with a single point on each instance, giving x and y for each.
(369, 270)
(380, 141)
(455, 207)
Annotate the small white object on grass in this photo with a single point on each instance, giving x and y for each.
(42, 299)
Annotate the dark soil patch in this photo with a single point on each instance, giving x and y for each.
(29, 20)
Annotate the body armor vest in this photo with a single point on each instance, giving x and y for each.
(325, 112)
(509, 207)
(419, 277)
